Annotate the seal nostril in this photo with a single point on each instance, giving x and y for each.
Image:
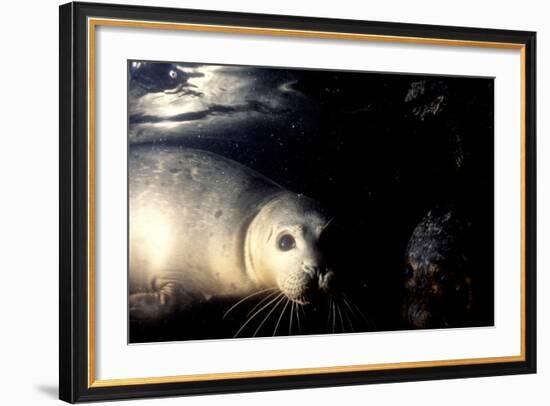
(311, 270)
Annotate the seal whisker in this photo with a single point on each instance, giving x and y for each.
(298, 318)
(323, 228)
(245, 298)
(281, 300)
(329, 311)
(290, 322)
(303, 312)
(255, 314)
(354, 310)
(365, 318)
(340, 317)
(345, 310)
(281, 316)
(350, 309)
(333, 317)
(261, 302)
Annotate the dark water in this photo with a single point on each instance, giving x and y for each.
(378, 150)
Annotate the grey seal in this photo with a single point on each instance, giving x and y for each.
(202, 225)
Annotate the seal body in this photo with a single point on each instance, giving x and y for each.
(202, 225)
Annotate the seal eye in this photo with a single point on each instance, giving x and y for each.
(173, 74)
(286, 242)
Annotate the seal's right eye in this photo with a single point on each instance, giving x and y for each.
(286, 242)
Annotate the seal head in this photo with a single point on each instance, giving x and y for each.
(282, 247)
(438, 280)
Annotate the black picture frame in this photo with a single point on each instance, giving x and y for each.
(75, 384)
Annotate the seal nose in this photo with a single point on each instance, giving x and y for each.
(320, 278)
(311, 270)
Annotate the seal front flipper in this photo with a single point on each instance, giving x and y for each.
(165, 299)
(147, 306)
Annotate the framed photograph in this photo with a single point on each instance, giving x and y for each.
(256, 202)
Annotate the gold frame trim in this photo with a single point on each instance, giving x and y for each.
(94, 22)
